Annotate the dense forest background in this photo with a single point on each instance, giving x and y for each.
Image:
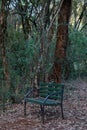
(29, 33)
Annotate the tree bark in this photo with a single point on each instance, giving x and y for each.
(47, 14)
(62, 40)
(26, 26)
(3, 28)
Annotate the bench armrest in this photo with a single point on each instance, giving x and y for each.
(29, 93)
(49, 96)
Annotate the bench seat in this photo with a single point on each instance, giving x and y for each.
(40, 101)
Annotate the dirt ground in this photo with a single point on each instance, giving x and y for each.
(75, 112)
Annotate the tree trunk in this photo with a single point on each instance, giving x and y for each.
(3, 28)
(62, 40)
(47, 14)
(26, 27)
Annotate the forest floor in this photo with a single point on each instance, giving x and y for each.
(75, 112)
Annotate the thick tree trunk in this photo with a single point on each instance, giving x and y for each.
(3, 28)
(62, 40)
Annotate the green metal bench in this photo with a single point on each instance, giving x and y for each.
(50, 94)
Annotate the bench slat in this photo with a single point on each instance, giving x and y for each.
(40, 101)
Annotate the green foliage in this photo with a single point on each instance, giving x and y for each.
(4, 94)
(24, 59)
(78, 45)
(77, 52)
(0, 4)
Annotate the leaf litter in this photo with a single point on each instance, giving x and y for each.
(75, 112)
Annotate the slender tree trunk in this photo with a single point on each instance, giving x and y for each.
(24, 18)
(62, 40)
(41, 76)
(80, 17)
(47, 14)
(26, 27)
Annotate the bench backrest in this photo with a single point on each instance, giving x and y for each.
(48, 88)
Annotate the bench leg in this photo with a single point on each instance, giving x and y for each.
(24, 108)
(62, 111)
(42, 112)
